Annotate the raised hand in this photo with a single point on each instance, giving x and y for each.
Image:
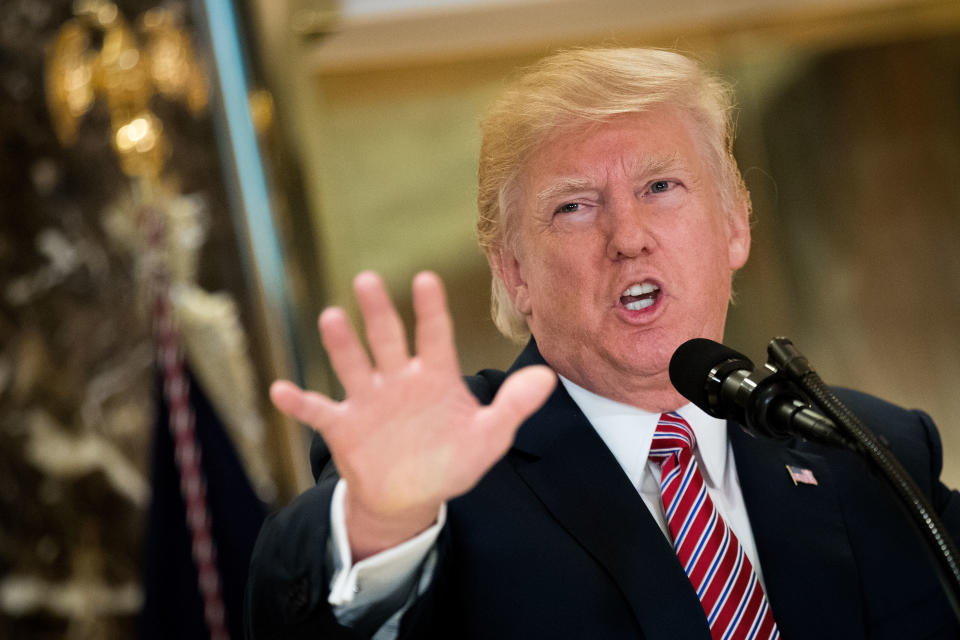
(409, 435)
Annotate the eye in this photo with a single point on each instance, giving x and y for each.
(660, 186)
(568, 207)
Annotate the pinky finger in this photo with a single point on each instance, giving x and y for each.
(311, 408)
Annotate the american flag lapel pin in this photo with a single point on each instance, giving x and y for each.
(799, 475)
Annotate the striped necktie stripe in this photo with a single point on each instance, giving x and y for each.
(732, 597)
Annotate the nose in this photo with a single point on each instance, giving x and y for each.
(627, 229)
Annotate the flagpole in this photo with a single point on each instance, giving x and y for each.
(263, 259)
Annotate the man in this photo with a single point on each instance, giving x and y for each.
(613, 217)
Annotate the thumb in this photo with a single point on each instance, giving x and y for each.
(521, 394)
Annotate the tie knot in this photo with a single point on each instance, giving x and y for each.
(672, 436)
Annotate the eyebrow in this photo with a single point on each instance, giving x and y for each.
(562, 187)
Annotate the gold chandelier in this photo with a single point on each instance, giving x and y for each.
(130, 68)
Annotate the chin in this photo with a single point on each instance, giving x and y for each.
(648, 356)
(646, 365)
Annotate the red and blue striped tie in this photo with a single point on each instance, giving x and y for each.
(710, 553)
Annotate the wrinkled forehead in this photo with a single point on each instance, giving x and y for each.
(635, 145)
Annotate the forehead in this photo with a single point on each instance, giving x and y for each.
(634, 144)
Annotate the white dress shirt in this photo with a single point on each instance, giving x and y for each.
(628, 433)
(357, 589)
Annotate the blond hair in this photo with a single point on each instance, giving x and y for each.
(576, 87)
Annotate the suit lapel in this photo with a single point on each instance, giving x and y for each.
(565, 463)
(801, 539)
(808, 565)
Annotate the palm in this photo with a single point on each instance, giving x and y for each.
(409, 434)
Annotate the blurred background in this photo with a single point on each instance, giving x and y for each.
(185, 185)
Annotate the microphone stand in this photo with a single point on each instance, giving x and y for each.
(791, 363)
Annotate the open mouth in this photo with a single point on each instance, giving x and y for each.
(640, 296)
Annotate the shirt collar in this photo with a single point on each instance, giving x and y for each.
(628, 431)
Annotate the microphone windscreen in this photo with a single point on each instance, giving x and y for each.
(692, 362)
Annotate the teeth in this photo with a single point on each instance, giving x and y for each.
(639, 304)
(639, 290)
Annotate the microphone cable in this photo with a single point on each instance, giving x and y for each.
(791, 363)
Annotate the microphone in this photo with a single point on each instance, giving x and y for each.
(724, 383)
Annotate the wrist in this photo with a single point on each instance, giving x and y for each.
(370, 532)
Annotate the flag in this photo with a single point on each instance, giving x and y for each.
(173, 604)
(800, 475)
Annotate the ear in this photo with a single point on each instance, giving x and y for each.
(738, 236)
(508, 267)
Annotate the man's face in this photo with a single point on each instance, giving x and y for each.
(623, 253)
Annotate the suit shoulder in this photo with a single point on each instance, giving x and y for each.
(893, 422)
(860, 401)
(910, 433)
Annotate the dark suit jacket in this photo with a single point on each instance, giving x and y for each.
(554, 542)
